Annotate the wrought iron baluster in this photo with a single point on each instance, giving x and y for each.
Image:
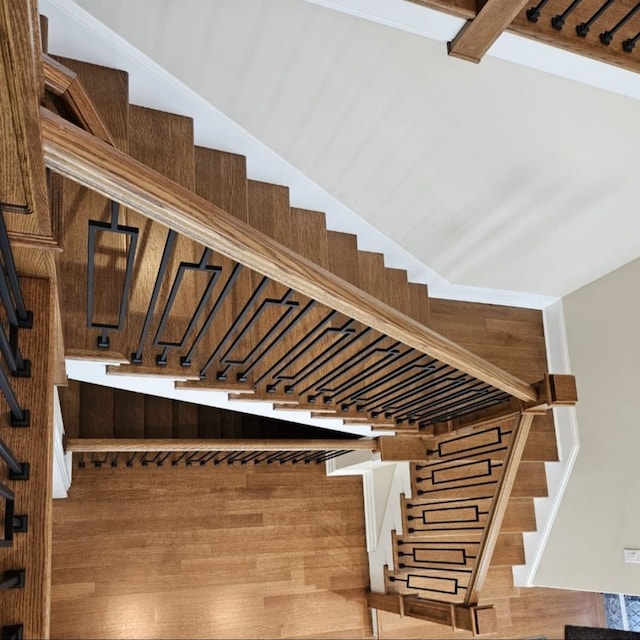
(350, 338)
(132, 233)
(136, 358)
(327, 455)
(19, 417)
(98, 462)
(490, 399)
(533, 13)
(242, 376)
(251, 457)
(254, 296)
(9, 500)
(303, 345)
(17, 311)
(629, 44)
(214, 271)
(286, 302)
(583, 28)
(606, 37)
(13, 632)
(160, 462)
(185, 361)
(132, 459)
(557, 22)
(176, 461)
(14, 579)
(356, 359)
(145, 462)
(218, 460)
(17, 470)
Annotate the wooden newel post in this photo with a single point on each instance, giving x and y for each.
(480, 620)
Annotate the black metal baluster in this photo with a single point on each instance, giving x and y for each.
(9, 499)
(533, 13)
(395, 393)
(14, 579)
(359, 357)
(18, 315)
(298, 349)
(557, 22)
(136, 358)
(351, 337)
(629, 44)
(288, 457)
(262, 456)
(606, 37)
(234, 457)
(185, 361)
(214, 271)
(12, 632)
(98, 462)
(111, 227)
(147, 461)
(583, 28)
(132, 459)
(332, 454)
(451, 393)
(17, 470)
(114, 459)
(274, 457)
(19, 417)
(217, 461)
(284, 301)
(254, 296)
(346, 337)
(252, 457)
(18, 366)
(163, 459)
(242, 376)
(176, 461)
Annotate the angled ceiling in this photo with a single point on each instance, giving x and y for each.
(495, 175)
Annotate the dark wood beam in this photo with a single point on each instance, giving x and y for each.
(477, 35)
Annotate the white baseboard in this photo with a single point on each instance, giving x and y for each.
(568, 441)
(62, 467)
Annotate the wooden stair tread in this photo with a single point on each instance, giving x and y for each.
(509, 550)
(520, 516)
(221, 178)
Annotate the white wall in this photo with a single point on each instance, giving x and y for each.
(600, 512)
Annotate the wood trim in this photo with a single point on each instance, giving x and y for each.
(31, 606)
(477, 35)
(105, 445)
(65, 83)
(23, 177)
(85, 159)
(498, 509)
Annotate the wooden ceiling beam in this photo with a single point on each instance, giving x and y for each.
(477, 35)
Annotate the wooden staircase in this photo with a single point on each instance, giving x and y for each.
(216, 282)
(168, 306)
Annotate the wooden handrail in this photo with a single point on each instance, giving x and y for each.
(87, 160)
(65, 83)
(149, 445)
(498, 508)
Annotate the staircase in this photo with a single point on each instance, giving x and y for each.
(330, 329)
(160, 304)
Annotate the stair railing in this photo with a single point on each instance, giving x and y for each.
(193, 452)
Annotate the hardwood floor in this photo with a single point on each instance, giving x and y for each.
(235, 552)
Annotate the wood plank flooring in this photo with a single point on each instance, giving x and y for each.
(239, 552)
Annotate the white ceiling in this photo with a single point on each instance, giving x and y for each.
(495, 175)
